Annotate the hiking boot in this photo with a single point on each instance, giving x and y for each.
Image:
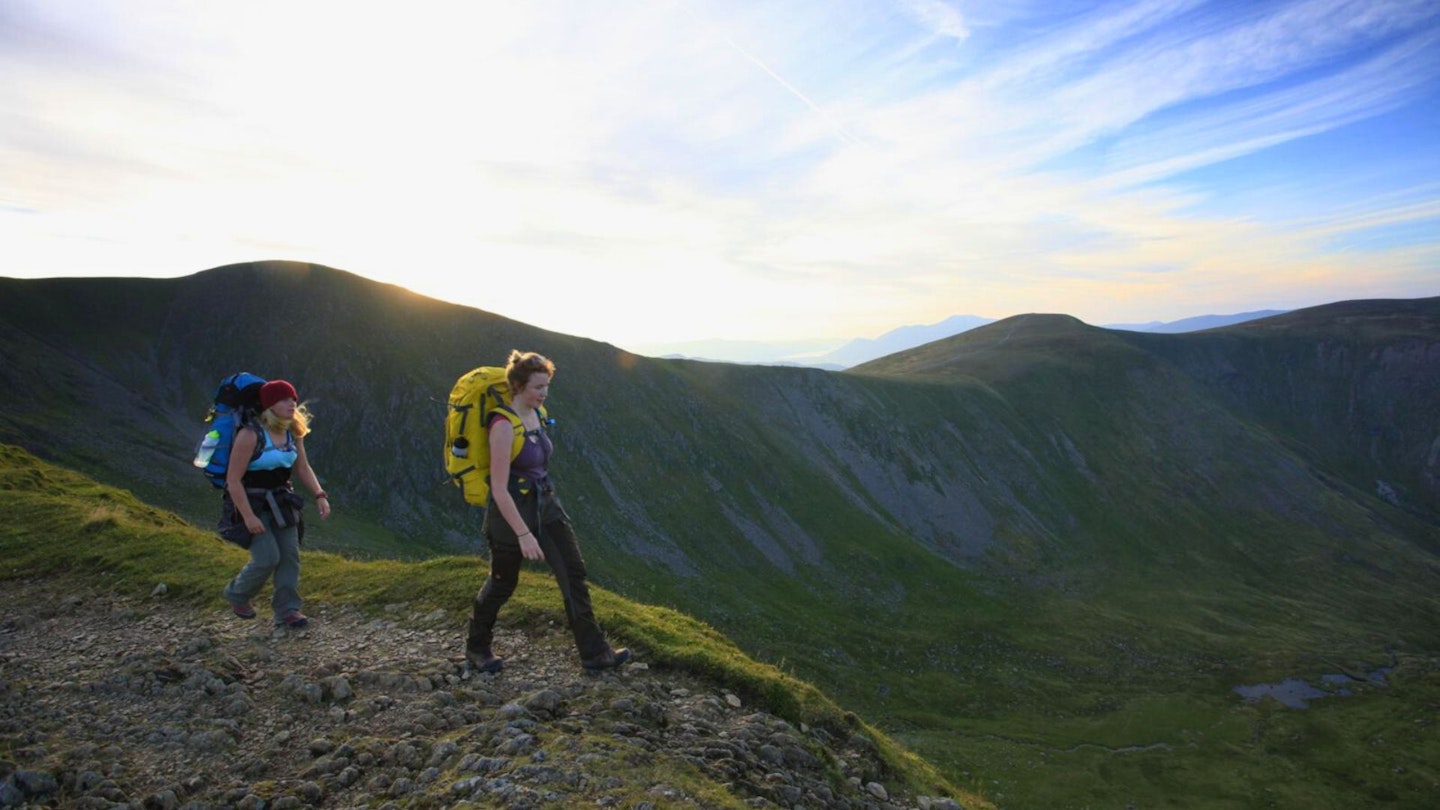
(483, 661)
(243, 610)
(294, 620)
(610, 660)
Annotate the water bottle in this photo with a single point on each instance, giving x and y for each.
(460, 448)
(207, 448)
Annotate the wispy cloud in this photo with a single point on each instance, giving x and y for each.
(814, 167)
(1395, 76)
(938, 17)
(1179, 64)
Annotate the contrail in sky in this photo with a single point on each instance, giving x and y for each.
(838, 128)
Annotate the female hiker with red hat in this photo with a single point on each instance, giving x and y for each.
(259, 495)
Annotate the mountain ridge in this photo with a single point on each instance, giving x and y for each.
(1196, 323)
(1038, 497)
(825, 354)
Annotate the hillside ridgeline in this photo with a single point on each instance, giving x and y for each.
(1037, 547)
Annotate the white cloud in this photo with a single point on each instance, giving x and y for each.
(811, 168)
(938, 17)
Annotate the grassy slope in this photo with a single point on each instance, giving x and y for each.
(1145, 568)
(100, 534)
(1121, 691)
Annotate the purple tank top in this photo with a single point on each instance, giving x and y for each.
(534, 459)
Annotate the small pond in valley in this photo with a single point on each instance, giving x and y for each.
(1297, 693)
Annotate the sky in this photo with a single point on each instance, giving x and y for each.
(650, 173)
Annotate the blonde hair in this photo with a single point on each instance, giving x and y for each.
(523, 365)
(300, 425)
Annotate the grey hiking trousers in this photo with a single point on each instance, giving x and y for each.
(275, 553)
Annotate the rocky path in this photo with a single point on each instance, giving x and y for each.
(107, 701)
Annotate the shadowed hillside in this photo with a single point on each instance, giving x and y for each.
(1354, 386)
(1126, 525)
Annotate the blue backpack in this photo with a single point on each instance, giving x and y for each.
(236, 404)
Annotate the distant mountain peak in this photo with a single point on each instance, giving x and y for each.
(826, 355)
(1197, 323)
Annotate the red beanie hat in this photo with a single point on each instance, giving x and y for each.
(274, 391)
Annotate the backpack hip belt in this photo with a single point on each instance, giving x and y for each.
(290, 497)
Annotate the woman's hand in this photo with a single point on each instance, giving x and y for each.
(530, 547)
(253, 525)
(323, 504)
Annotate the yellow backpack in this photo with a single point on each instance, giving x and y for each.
(478, 393)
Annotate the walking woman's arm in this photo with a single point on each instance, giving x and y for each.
(241, 449)
(307, 476)
(502, 436)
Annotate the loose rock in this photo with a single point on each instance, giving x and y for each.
(108, 700)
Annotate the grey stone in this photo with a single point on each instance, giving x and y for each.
(10, 794)
(36, 783)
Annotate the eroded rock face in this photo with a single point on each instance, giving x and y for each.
(1359, 388)
(106, 700)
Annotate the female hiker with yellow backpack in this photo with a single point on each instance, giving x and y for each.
(525, 521)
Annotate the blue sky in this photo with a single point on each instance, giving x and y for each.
(657, 172)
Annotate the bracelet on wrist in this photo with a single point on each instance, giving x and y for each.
(321, 494)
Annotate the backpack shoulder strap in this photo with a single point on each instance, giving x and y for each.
(505, 411)
(518, 443)
(262, 438)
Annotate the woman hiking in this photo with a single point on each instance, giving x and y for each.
(525, 521)
(259, 493)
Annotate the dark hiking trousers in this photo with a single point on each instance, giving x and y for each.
(545, 517)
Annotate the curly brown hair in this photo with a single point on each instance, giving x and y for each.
(523, 365)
